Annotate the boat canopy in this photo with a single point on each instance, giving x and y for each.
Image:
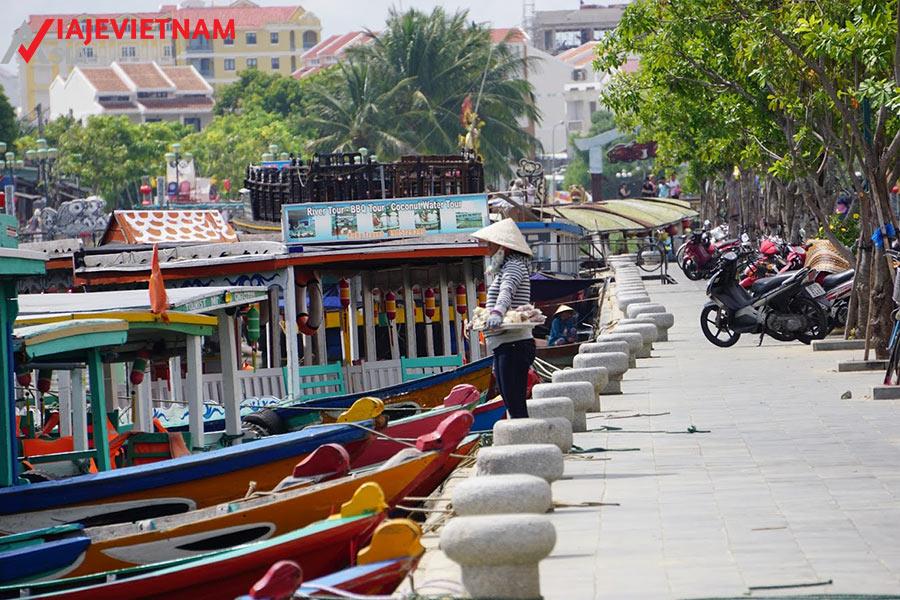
(624, 215)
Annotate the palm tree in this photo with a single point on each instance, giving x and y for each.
(361, 110)
(442, 59)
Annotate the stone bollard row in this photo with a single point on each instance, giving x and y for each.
(596, 376)
(635, 342)
(647, 331)
(615, 363)
(580, 392)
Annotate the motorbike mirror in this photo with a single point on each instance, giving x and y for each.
(706, 223)
(729, 256)
(745, 238)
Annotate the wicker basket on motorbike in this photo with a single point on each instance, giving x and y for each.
(823, 256)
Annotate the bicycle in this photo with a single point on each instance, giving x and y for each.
(653, 254)
(892, 373)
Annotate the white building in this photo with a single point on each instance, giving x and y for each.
(144, 92)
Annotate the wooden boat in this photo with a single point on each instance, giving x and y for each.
(382, 577)
(319, 549)
(297, 501)
(426, 392)
(170, 486)
(558, 356)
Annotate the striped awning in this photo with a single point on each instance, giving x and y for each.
(624, 215)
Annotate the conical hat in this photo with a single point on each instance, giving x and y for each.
(504, 233)
(563, 308)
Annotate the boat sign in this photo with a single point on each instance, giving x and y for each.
(363, 220)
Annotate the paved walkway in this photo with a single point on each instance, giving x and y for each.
(793, 485)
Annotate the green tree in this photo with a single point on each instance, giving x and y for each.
(9, 128)
(439, 59)
(230, 142)
(255, 90)
(362, 112)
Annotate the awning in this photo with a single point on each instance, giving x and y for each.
(545, 287)
(625, 215)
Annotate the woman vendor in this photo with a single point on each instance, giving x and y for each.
(511, 287)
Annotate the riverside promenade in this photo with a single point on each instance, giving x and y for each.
(792, 486)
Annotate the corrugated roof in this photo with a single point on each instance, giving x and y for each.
(624, 215)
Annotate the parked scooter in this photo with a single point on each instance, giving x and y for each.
(700, 257)
(794, 309)
(837, 286)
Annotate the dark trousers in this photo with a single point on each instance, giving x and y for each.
(511, 363)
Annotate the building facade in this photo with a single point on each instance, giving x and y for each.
(269, 38)
(556, 31)
(144, 92)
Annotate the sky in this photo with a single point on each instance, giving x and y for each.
(337, 16)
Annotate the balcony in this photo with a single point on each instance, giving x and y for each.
(199, 45)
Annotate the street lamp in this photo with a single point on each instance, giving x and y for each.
(44, 158)
(177, 160)
(8, 164)
(553, 159)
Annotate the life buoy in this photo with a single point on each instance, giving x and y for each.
(309, 322)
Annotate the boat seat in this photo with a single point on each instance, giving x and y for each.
(328, 461)
(417, 368)
(448, 433)
(462, 394)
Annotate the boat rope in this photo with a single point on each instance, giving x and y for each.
(380, 434)
(582, 504)
(423, 510)
(579, 450)
(660, 414)
(787, 586)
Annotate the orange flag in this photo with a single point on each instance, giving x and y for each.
(159, 302)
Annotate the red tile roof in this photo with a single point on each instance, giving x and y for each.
(580, 56)
(185, 78)
(35, 21)
(244, 17)
(510, 35)
(145, 75)
(105, 79)
(117, 105)
(334, 46)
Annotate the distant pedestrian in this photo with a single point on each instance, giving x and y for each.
(564, 328)
(662, 190)
(674, 187)
(648, 190)
(624, 190)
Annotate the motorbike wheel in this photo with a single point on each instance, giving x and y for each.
(714, 324)
(841, 310)
(815, 316)
(691, 270)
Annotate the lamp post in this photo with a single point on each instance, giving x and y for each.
(553, 159)
(8, 164)
(44, 158)
(174, 159)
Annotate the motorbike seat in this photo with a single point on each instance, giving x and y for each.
(767, 284)
(728, 242)
(836, 279)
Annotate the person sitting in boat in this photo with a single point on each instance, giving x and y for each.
(513, 348)
(564, 328)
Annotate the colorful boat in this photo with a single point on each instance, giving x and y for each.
(170, 486)
(558, 356)
(296, 502)
(417, 394)
(319, 549)
(285, 578)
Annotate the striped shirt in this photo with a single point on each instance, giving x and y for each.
(511, 288)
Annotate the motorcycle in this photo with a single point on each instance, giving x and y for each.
(837, 286)
(700, 255)
(793, 309)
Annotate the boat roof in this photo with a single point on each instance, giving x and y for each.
(160, 226)
(190, 300)
(624, 215)
(68, 337)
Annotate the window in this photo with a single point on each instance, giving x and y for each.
(251, 38)
(593, 107)
(153, 95)
(251, 63)
(167, 51)
(193, 122)
(273, 38)
(229, 64)
(276, 64)
(87, 52)
(579, 75)
(229, 41)
(310, 39)
(129, 51)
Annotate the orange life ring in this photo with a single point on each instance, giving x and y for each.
(309, 322)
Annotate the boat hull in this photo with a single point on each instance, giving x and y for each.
(170, 486)
(558, 356)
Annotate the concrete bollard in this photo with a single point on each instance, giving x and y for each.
(662, 320)
(615, 363)
(541, 460)
(581, 393)
(623, 301)
(635, 343)
(554, 430)
(609, 346)
(596, 376)
(648, 331)
(549, 408)
(640, 309)
(502, 494)
(499, 554)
